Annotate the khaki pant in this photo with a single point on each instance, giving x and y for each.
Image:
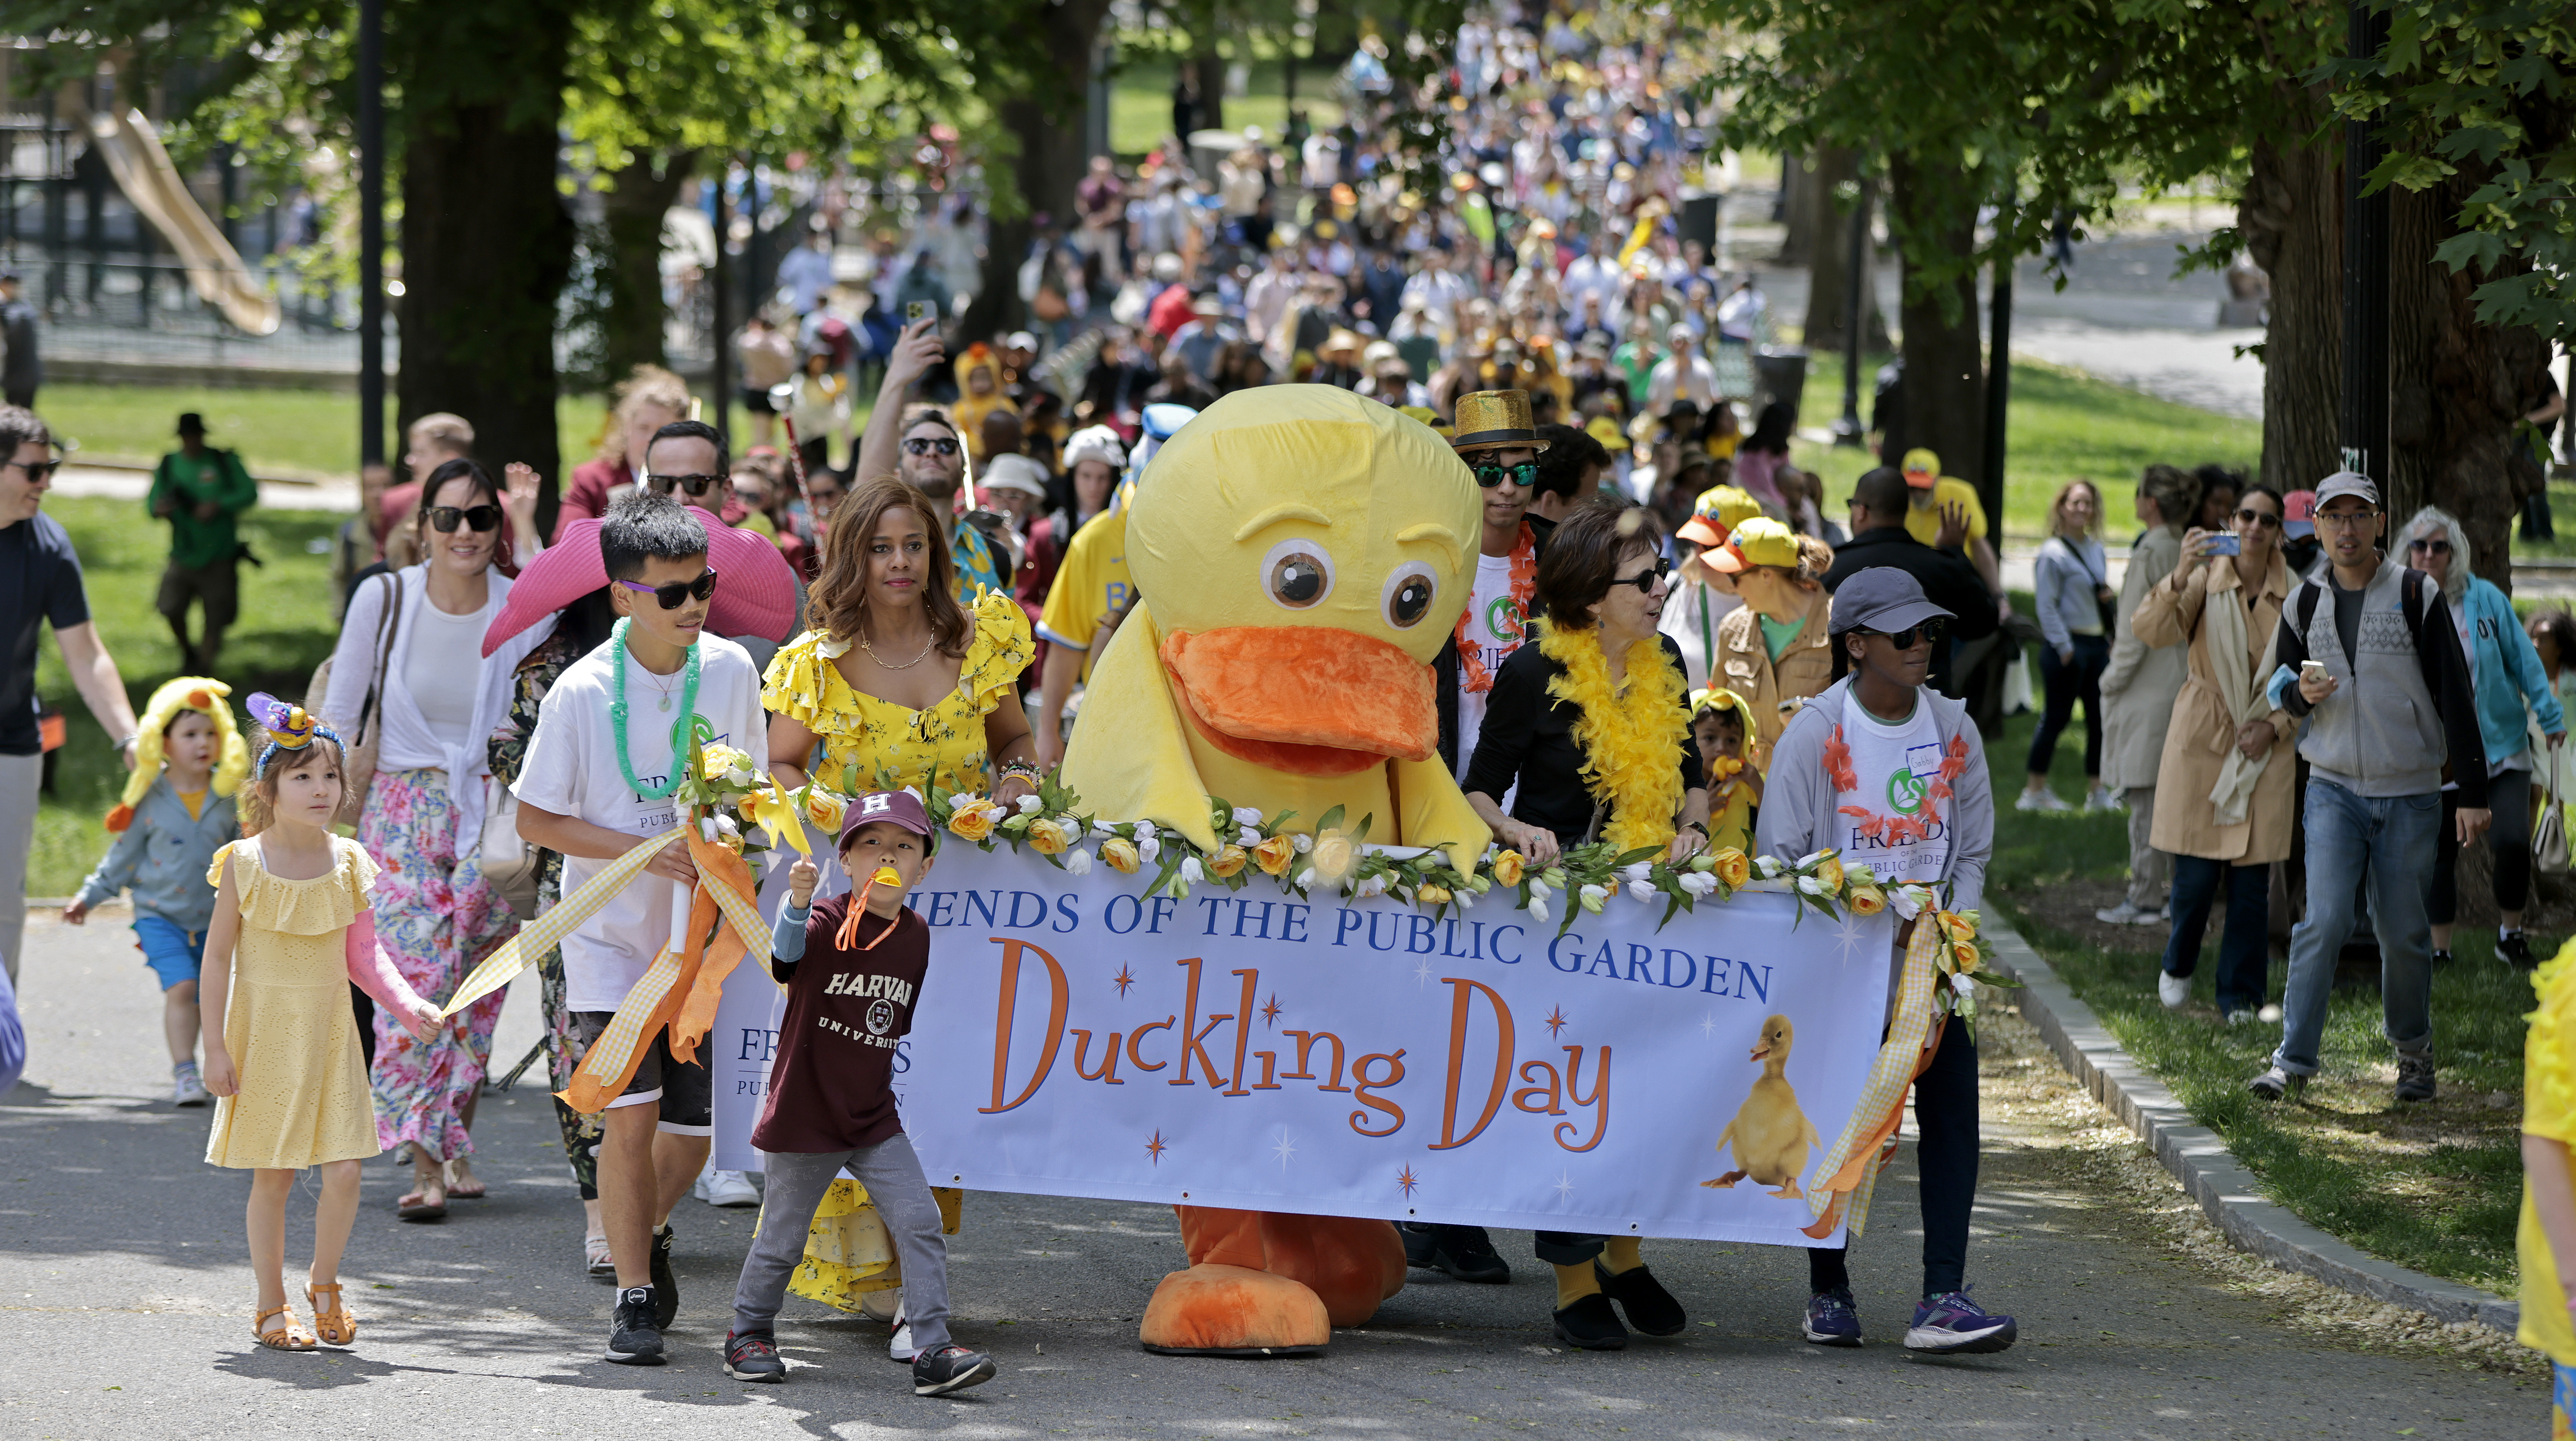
(2150, 870)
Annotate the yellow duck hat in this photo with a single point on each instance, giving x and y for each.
(188, 693)
(1720, 698)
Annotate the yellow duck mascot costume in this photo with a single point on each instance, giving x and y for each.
(1301, 554)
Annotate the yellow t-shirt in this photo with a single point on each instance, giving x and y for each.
(195, 801)
(1090, 584)
(876, 745)
(2548, 1109)
(1923, 522)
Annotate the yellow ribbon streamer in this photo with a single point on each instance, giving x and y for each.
(547, 931)
(670, 984)
(1845, 1177)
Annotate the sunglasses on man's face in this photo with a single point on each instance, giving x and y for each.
(1645, 581)
(2430, 546)
(1932, 631)
(2250, 516)
(1523, 475)
(678, 592)
(37, 470)
(931, 445)
(695, 485)
(446, 518)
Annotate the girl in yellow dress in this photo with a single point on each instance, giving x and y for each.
(897, 686)
(291, 930)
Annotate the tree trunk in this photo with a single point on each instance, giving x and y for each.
(1945, 406)
(2292, 218)
(633, 320)
(1829, 261)
(1048, 125)
(487, 247)
(2456, 387)
(1209, 66)
(1797, 211)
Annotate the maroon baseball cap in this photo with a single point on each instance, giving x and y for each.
(901, 808)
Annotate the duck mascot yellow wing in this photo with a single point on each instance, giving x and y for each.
(1301, 554)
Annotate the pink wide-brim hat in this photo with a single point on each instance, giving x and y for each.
(755, 589)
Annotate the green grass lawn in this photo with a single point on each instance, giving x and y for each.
(1140, 102)
(2063, 426)
(2434, 1187)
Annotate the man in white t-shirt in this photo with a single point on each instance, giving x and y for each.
(598, 776)
(1905, 791)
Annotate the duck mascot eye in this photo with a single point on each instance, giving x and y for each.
(1300, 555)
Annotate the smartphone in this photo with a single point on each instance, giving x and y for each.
(2308, 668)
(918, 311)
(2224, 544)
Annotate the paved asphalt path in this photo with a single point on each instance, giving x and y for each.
(125, 1300)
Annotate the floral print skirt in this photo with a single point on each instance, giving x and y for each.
(436, 919)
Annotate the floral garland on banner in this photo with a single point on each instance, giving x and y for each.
(1632, 750)
(1474, 677)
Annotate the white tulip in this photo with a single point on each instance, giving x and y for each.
(1538, 907)
(1373, 886)
(1638, 871)
(1147, 845)
(1247, 816)
(1029, 804)
(1306, 879)
(1077, 863)
(1642, 890)
(1305, 844)
(1192, 871)
(1247, 838)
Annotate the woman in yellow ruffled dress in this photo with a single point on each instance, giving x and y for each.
(897, 685)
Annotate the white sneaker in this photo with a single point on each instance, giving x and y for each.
(2045, 801)
(188, 1088)
(2270, 1015)
(901, 1348)
(2124, 914)
(726, 1188)
(2173, 990)
(2103, 798)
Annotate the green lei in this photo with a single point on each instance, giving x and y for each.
(617, 720)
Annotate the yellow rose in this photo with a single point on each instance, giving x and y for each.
(974, 820)
(1507, 868)
(1047, 838)
(1731, 866)
(714, 761)
(1120, 854)
(1963, 958)
(1333, 856)
(826, 810)
(1830, 871)
(1431, 895)
(1275, 855)
(1866, 900)
(1228, 862)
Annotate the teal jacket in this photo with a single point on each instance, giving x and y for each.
(2509, 675)
(164, 856)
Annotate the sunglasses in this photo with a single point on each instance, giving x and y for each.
(1933, 630)
(1645, 581)
(446, 518)
(695, 485)
(2250, 516)
(678, 592)
(927, 446)
(2431, 547)
(37, 470)
(1523, 475)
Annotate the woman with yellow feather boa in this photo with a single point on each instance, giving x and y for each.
(1592, 724)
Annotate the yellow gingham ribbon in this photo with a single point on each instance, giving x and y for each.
(1846, 1175)
(547, 931)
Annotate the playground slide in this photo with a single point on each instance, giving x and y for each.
(143, 171)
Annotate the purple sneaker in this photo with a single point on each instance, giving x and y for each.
(1832, 1320)
(1953, 1325)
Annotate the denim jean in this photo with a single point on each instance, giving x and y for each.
(2065, 683)
(2393, 837)
(2242, 958)
(1945, 1160)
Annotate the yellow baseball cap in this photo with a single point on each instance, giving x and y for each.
(1922, 468)
(1716, 514)
(1758, 541)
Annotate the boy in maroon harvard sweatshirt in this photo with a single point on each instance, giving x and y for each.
(853, 967)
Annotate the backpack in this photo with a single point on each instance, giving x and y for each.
(2412, 595)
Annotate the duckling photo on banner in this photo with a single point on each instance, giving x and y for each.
(1256, 1049)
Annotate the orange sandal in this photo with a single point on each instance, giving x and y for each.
(288, 1337)
(335, 1326)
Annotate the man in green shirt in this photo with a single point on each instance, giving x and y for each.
(199, 490)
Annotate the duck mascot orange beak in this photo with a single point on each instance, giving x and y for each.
(1306, 700)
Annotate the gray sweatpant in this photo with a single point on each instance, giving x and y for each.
(20, 779)
(2150, 870)
(796, 1182)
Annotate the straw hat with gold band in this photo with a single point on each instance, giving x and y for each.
(1496, 420)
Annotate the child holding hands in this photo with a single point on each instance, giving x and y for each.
(177, 811)
(291, 928)
(853, 967)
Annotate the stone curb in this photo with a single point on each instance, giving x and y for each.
(2209, 1172)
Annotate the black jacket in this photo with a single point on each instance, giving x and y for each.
(1529, 739)
(1444, 666)
(1948, 581)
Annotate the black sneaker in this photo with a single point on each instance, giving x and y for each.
(2415, 1076)
(2442, 958)
(666, 1287)
(2514, 949)
(950, 1368)
(754, 1357)
(1649, 1307)
(1590, 1325)
(1465, 1253)
(634, 1337)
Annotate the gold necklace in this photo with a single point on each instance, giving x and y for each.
(884, 664)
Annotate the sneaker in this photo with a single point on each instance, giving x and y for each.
(666, 1287)
(901, 1347)
(2415, 1076)
(2270, 1015)
(1953, 1325)
(2512, 947)
(726, 1188)
(634, 1337)
(1464, 1253)
(754, 1357)
(2102, 798)
(2173, 990)
(2275, 1083)
(1650, 1309)
(950, 1368)
(2243, 1016)
(2044, 801)
(1832, 1319)
(1590, 1325)
(189, 1089)
(2441, 958)
(2129, 914)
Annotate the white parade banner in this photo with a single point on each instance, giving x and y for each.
(1342, 1057)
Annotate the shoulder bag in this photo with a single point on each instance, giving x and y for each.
(359, 751)
(2549, 836)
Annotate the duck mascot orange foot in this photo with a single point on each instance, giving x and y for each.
(1301, 554)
